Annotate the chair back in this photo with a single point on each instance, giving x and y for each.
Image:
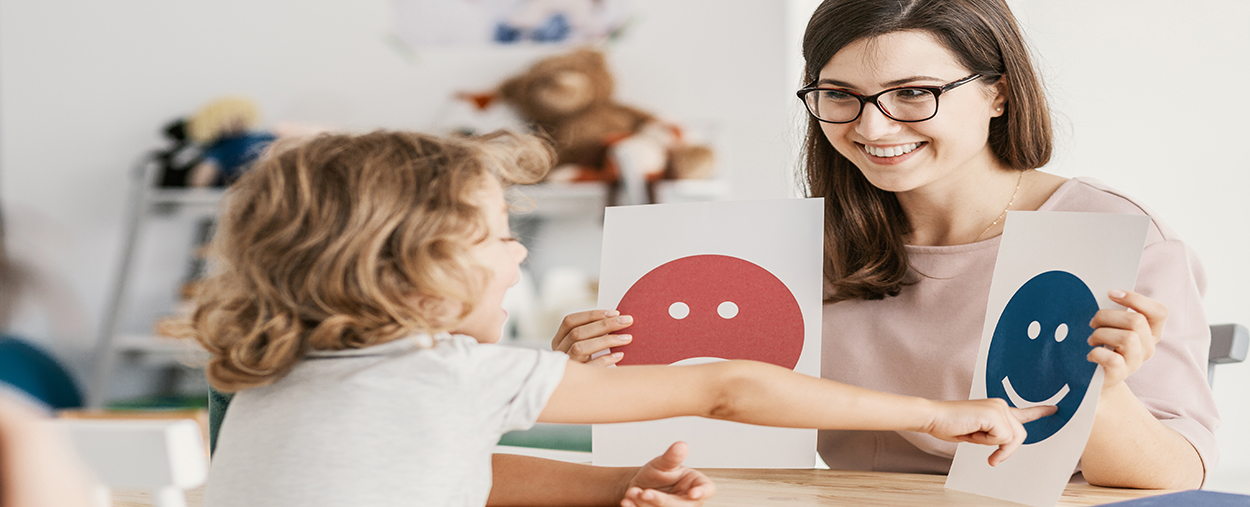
(1228, 345)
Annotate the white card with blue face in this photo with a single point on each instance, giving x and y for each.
(1053, 273)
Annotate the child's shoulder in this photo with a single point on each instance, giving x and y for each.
(444, 354)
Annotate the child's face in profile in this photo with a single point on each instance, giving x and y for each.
(502, 254)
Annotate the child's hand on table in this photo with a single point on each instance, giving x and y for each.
(665, 482)
(583, 334)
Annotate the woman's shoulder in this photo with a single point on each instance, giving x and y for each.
(1085, 194)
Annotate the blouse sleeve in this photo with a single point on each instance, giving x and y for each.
(1173, 383)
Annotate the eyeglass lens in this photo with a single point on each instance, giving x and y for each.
(903, 104)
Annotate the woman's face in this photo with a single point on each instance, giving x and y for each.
(900, 157)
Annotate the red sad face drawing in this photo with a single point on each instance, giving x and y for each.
(711, 306)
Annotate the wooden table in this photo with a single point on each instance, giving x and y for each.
(806, 488)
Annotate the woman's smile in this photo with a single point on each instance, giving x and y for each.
(891, 154)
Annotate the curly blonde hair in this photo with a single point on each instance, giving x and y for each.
(345, 241)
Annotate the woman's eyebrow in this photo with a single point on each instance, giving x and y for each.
(912, 79)
(887, 84)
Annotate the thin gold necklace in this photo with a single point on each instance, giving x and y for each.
(1004, 213)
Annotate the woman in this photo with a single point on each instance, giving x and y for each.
(916, 199)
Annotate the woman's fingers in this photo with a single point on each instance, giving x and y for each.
(579, 319)
(1124, 339)
(576, 328)
(1135, 348)
(1156, 313)
(606, 360)
(583, 350)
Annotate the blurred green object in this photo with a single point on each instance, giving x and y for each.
(217, 403)
(564, 437)
(163, 402)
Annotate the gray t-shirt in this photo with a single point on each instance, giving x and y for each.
(393, 424)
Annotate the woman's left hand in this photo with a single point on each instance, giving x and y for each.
(1124, 339)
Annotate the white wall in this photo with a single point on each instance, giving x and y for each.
(1144, 94)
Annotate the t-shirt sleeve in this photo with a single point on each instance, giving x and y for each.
(1173, 384)
(519, 383)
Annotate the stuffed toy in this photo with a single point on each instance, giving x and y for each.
(176, 162)
(225, 130)
(568, 97)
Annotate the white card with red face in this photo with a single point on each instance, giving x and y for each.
(707, 282)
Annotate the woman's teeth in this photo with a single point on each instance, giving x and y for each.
(892, 151)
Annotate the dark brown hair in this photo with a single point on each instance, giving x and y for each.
(346, 241)
(864, 225)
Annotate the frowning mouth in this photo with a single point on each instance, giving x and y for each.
(1020, 402)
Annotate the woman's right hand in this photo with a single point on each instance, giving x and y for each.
(986, 422)
(584, 334)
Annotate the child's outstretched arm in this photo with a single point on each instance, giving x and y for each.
(523, 480)
(764, 394)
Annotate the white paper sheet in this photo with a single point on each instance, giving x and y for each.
(709, 281)
(1053, 272)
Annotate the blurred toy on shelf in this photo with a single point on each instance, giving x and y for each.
(178, 159)
(227, 130)
(569, 97)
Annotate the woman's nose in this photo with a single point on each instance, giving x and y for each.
(874, 124)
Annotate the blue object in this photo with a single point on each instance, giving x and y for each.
(555, 29)
(507, 33)
(234, 154)
(1038, 352)
(36, 373)
(1191, 498)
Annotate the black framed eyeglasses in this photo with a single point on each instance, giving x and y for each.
(908, 104)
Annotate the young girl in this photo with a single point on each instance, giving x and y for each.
(354, 308)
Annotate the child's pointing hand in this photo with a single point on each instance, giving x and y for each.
(986, 422)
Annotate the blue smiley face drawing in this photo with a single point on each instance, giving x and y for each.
(1038, 353)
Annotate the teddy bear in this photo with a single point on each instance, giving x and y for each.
(569, 97)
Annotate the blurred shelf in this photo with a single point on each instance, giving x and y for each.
(185, 201)
(156, 350)
(553, 200)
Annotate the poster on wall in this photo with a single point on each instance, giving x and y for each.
(714, 281)
(1052, 275)
(430, 23)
